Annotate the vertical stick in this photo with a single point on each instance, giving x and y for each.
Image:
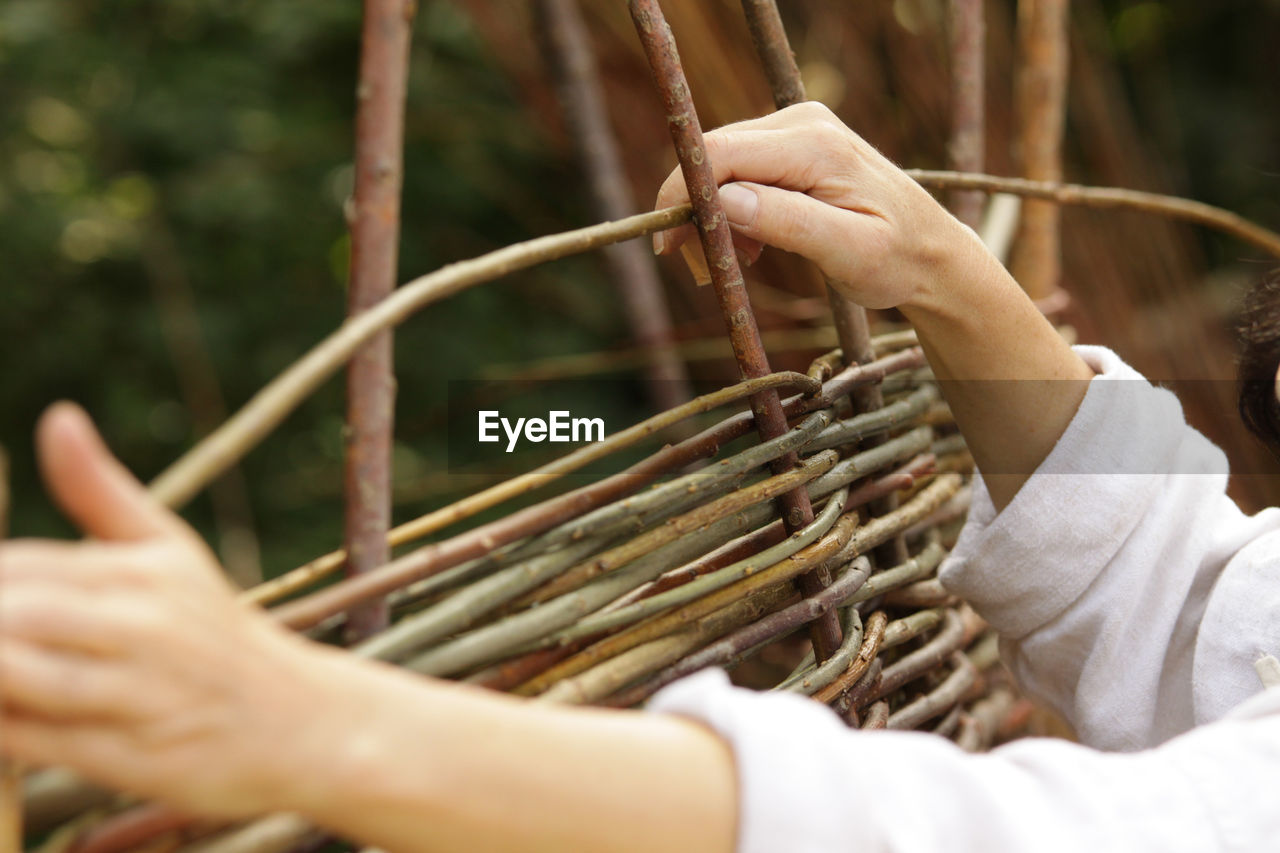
(852, 329)
(726, 277)
(1041, 94)
(375, 235)
(10, 773)
(573, 65)
(770, 40)
(968, 103)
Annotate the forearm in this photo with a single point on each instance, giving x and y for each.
(430, 765)
(1012, 383)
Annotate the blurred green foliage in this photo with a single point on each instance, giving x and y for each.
(208, 146)
(204, 148)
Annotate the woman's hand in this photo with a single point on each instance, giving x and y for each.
(127, 656)
(800, 180)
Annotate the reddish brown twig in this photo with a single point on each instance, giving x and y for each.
(1041, 96)
(852, 329)
(872, 635)
(923, 659)
(938, 700)
(573, 64)
(966, 151)
(726, 276)
(375, 239)
(867, 375)
(1111, 198)
(877, 716)
(779, 62)
(921, 594)
(776, 57)
(861, 692)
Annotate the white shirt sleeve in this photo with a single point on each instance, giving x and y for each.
(809, 784)
(1133, 596)
(1128, 589)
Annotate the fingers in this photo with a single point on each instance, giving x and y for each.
(60, 617)
(91, 486)
(89, 565)
(791, 148)
(745, 154)
(39, 742)
(843, 243)
(58, 685)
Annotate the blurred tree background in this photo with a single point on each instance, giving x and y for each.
(172, 181)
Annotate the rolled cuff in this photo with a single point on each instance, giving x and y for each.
(1022, 567)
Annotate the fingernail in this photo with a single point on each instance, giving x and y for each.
(739, 204)
(744, 260)
(659, 242)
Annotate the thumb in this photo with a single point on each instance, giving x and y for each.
(90, 485)
(839, 241)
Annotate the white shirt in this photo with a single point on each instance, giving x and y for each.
(1133, 597)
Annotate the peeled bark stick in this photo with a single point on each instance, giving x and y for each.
(872, 635)
(808, 682)
(375, 241)
(726, 276)
(966, 151)
(1040, 93)
(857, 696)
(1110, 198)
(10, 772)
(573, 64)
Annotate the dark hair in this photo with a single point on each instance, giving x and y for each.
(1259, 331)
